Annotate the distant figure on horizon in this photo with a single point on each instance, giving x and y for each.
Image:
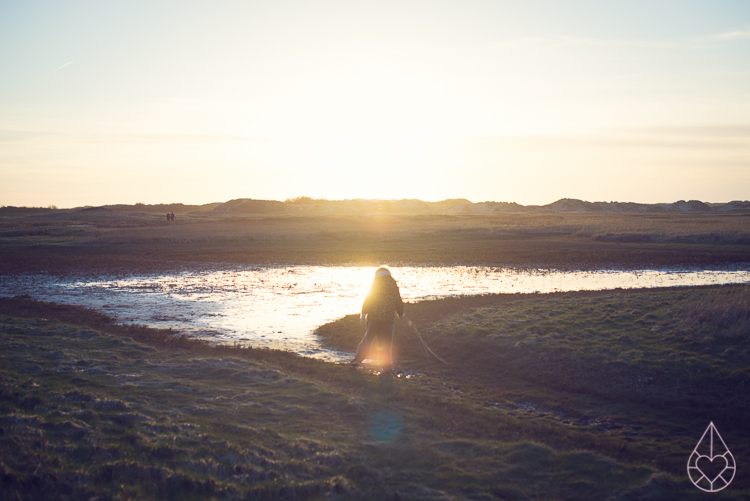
(381, 305)
(169, 216)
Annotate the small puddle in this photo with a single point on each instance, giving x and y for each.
(281, 306)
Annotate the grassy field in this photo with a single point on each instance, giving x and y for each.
(586, 395)
(100, 240)
(643, 370)
(564, 396)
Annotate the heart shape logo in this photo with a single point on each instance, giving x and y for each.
(711, 468)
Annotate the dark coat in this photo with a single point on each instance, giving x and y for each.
(383, 300)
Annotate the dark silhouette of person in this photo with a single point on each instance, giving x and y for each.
(382, 304)
(169, 216)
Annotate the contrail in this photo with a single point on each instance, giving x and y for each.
(58, 69)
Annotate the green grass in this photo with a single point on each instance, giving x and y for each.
(635, 373)
(89, 408)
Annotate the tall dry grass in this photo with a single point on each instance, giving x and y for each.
(66, 241)
(722, 312)
(730, 229)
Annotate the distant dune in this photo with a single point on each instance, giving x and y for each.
(308, 206)
(180, 208)
(305, 206)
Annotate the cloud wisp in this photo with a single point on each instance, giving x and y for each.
(58, 69)
(733, 35)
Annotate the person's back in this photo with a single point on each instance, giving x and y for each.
(383, 300)
(382, 303)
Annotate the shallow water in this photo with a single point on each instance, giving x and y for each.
(280, 307)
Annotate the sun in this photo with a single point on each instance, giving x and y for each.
(364, 101)
(364, 129)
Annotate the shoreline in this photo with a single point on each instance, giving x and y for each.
(184, 302)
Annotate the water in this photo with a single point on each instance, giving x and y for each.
(280, 307)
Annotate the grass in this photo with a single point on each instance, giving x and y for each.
(92, 415)
(91, 408)
(586, 395)
(68, 241)
(642, 370)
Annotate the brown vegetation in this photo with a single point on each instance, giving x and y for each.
(562, 396)
(99, 240)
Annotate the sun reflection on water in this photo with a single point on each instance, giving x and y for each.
(281, 306)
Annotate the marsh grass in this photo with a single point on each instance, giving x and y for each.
(86, 414)
(90, 408)
(67, 241)
(646, 368)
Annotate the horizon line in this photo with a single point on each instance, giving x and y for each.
(293, 200)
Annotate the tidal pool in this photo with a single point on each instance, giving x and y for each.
(281, 306)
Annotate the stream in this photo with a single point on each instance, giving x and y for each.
(281, 306)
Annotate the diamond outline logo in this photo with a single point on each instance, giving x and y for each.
(714, 451)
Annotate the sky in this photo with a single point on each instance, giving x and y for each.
(529, 102)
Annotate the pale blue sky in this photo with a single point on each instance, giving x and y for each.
(158, 101)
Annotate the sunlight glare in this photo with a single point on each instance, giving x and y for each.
(355, 124)
(367, 101)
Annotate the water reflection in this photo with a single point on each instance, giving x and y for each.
(280, 307)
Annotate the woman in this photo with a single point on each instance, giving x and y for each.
(381, 304)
